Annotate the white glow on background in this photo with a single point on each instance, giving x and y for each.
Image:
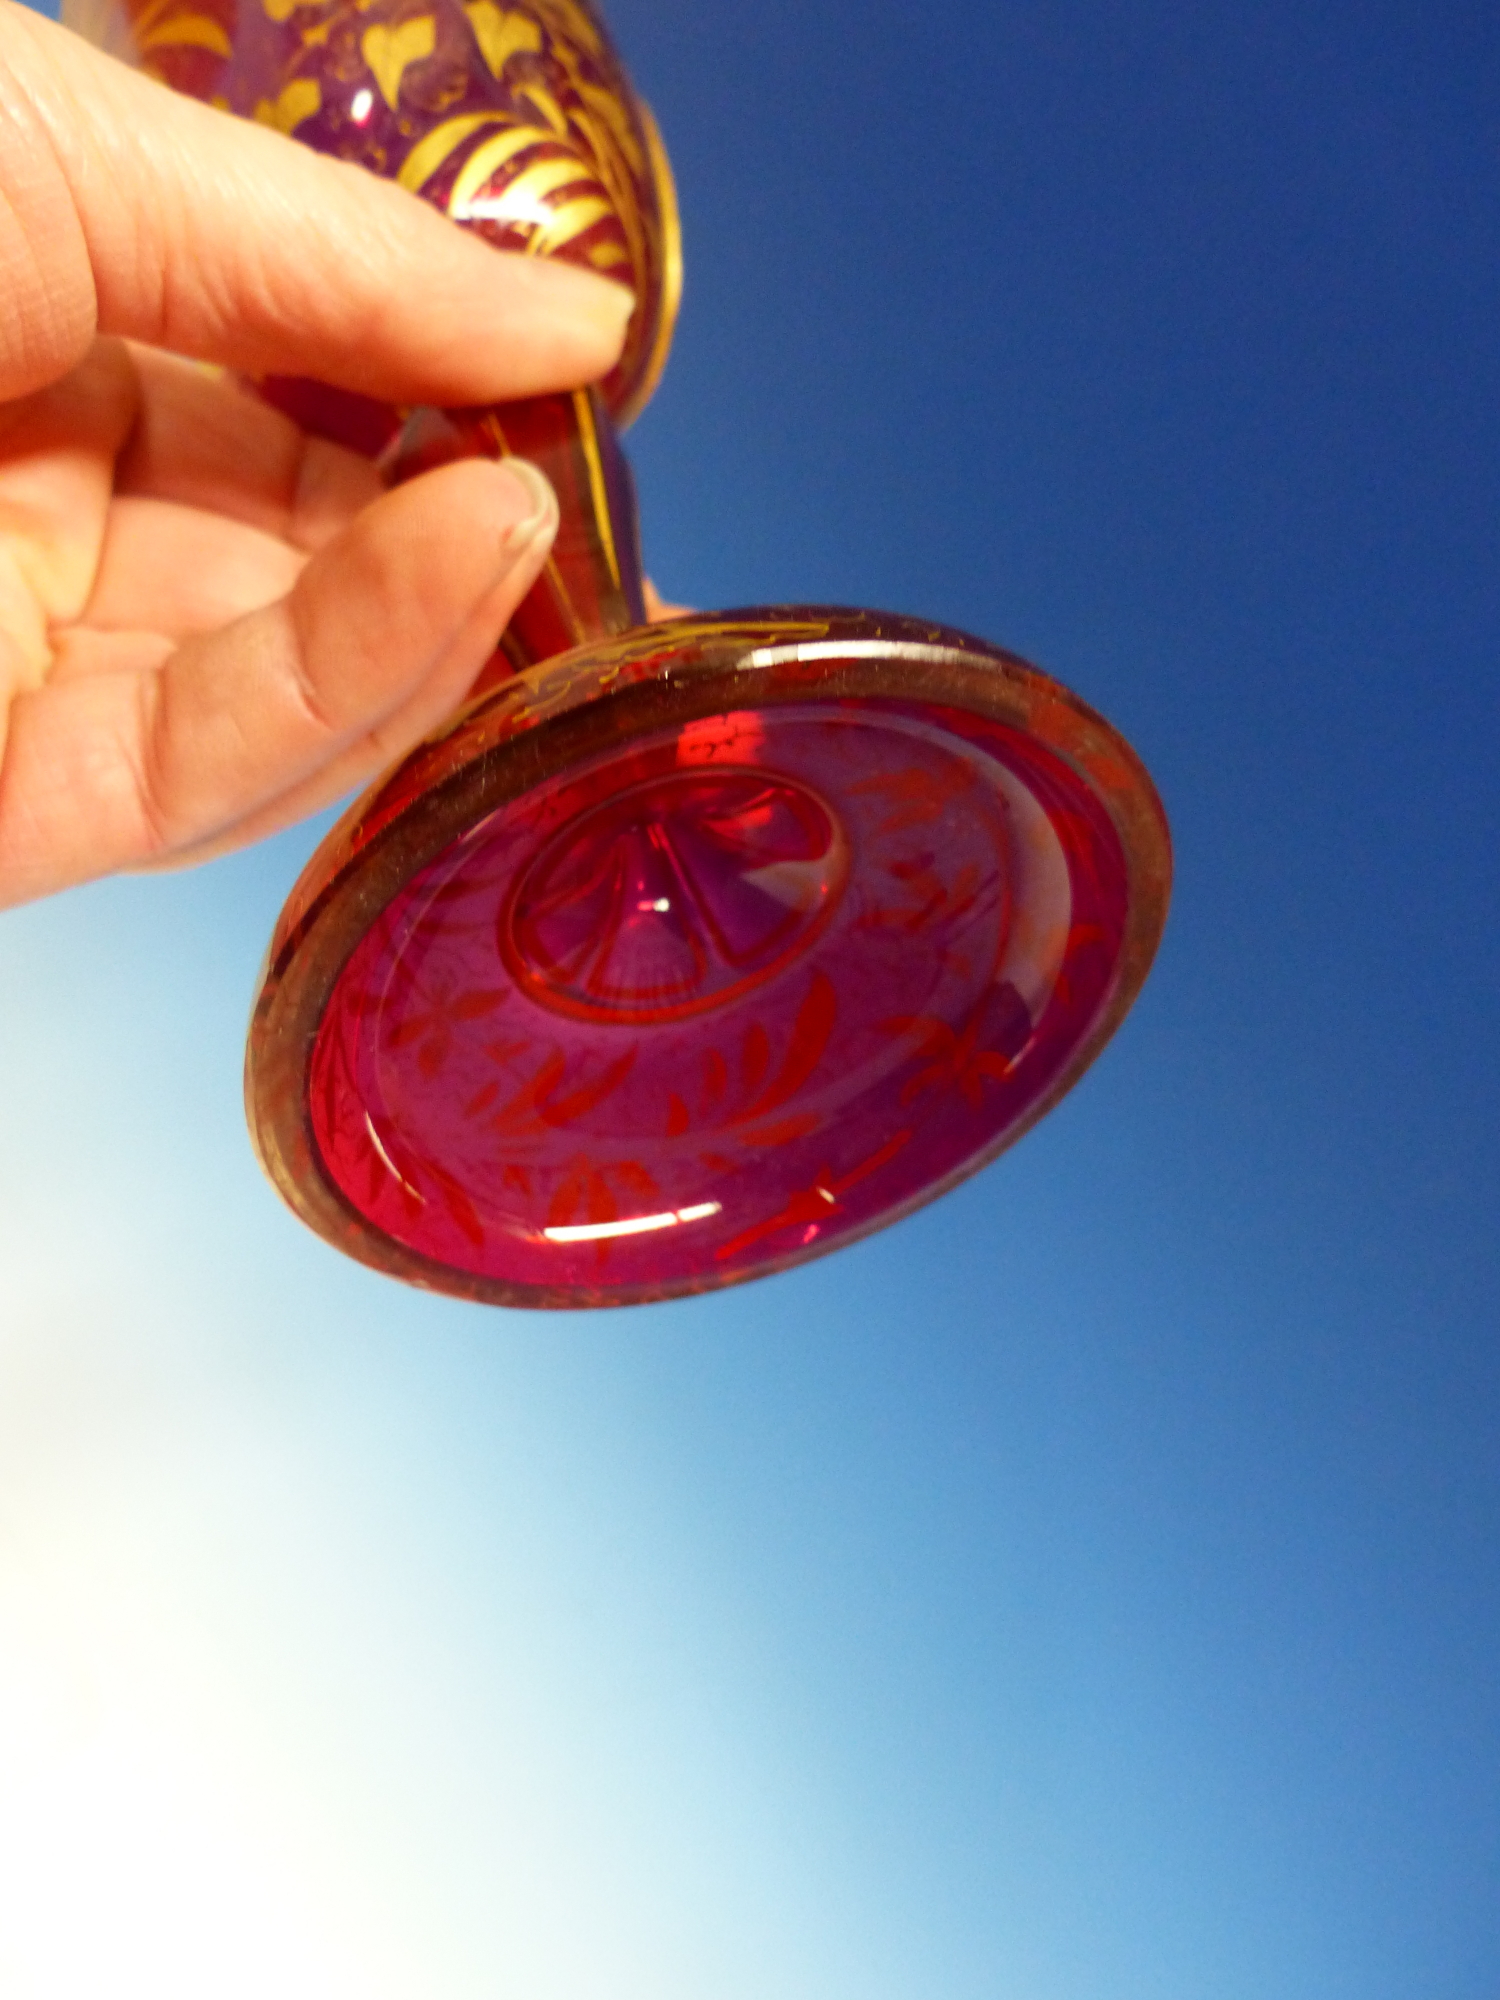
(141, 1846)
(313, 1681)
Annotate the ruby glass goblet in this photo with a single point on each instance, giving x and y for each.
(687, 950)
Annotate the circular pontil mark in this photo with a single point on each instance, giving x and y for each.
(674, 896)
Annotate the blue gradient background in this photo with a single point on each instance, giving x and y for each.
(1088, 1588)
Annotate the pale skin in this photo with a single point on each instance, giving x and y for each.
(211, 624)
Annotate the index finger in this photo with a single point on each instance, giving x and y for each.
(126, 209)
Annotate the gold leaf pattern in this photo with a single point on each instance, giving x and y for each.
(525, 199)
(391, 51)
(571, 22)
(541, 99)
(501, 35)
(193, 31)
(487, 160)
(568, 222)
(607, 107)
(301, 99)
(429, 153)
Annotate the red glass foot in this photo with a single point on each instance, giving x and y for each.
(700, 952)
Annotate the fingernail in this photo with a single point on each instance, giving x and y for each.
(541, 514)
(614, 303)
(605, 301)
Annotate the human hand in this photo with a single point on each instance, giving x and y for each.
(211, 624)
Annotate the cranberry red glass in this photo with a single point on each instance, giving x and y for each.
(687, 950)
